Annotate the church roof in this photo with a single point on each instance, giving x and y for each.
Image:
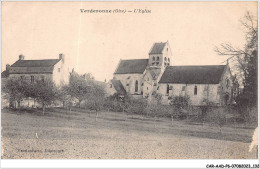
(137, 66)
(155, 72)
(157, 48)
(118, 86)
(35, 63)
(193, 74)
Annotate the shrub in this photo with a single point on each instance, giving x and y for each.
(180, 105)
(137, 106)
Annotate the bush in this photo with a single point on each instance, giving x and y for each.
(216, 116)
(137, 106)
(180, 105)
(114, 105)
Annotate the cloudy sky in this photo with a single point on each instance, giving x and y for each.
(94, 43)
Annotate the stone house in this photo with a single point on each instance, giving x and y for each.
(142, 78)
(32, 70)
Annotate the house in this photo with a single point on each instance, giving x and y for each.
(48, 69)
(142, 78)
(32, 70)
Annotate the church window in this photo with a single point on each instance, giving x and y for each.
(165, 64)
(136, 86)
(168, 59)
(168, 64)
(153, 58)
(167, 89)
(153, 63)
(157, 58)
(32, 79)
(165, 59)
(227, 83)
(157, 63)
(195, 90)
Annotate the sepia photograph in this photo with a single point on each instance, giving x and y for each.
(129, 80)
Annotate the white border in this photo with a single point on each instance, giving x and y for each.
(123, 163)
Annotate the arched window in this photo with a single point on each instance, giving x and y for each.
(168, 59)
(165, 59)
(153, 58)
(167, 89)
(195, 90)
(227, 83)
(136, 86)
(157, 58)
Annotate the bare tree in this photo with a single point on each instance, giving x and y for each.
(245, 59)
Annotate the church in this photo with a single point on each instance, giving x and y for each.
(143, 78)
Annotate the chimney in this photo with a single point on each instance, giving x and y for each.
(61, 57)
(21, 57)
(7, 68)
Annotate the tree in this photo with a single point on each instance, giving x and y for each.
(155, 106)
(95, 96)
(16, 90)
(78, 87)
(245, 59)
(136, 106)
(46, 93)
(180, 105)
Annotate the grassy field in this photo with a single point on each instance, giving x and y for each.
(59, 135)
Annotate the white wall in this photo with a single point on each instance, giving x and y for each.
(133, 77)
(210, 94)
(62, 76)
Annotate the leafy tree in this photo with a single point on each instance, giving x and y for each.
(46, 92)
(16, 90)
(78, 88)
(136, 106)
(180, 105)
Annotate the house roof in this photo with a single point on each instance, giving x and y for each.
(4, 74)
(35, 63)
(157, 48)
(33, 66)
(193, 74)
(118, 86)
(132, 66)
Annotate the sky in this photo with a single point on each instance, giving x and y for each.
(95, 43)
